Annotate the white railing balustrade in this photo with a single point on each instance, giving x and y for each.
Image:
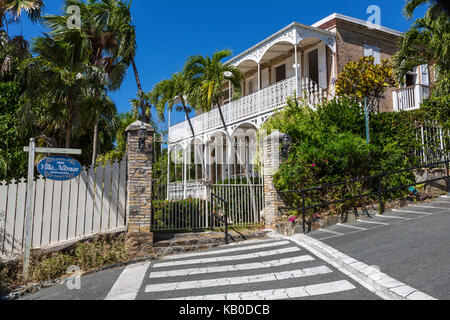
(265, 100)
(410, 98)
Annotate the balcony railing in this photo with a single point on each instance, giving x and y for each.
(260, 102)
(410, 98)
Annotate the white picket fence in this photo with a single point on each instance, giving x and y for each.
(92, 203)
(435, 143)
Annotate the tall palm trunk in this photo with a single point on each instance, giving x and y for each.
(68, 132)
(187, 117)
(95, 142)
(140, 91)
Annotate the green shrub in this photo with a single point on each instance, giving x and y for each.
(329, 146)
(52, 267)
(437, 108)
(169, 214)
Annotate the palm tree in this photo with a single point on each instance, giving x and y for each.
(169, 92)
(206, 79)
(15, 8)
(136, 106)
(435, 7)
(60, 75)
(17, 47)
(99, 39)
(116, 15)
(427, 42)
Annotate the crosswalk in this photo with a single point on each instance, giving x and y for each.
(301, 267)
(267, 269)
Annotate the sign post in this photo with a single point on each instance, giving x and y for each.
(32, 150)
(366, 114)
(28, 208)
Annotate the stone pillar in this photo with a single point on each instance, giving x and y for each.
(273, 202)
(139, 191)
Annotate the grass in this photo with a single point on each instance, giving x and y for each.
(88, 255)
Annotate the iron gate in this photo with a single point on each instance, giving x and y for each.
(181, 192)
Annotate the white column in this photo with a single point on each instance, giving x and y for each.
(417, 96)
(168, 159)
(259, 86)
(395, 99)
(185, 173)
(229, 91)
(297, 90)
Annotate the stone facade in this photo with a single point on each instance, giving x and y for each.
(273, 202)
(139, 187)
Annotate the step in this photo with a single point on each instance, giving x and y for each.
(201, 241)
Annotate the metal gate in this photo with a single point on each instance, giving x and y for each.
(181, 191)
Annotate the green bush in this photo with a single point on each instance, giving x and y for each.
(437, 108)
(170, 214)
(329, 146)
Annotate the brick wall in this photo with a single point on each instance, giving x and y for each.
(350, 40)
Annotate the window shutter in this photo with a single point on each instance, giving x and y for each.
(372, 51)
(425, 75)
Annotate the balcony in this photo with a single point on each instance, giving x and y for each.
(261, 102)
(410, 98)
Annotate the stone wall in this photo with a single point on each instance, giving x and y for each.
(434, 188)
(139, 187)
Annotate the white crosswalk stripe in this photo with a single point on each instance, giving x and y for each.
(238, 280)
(228, 250)
(236, 267)
(278, 294)
(228, 258)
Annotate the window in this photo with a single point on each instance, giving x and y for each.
(372, 51)
(280, 73)
(250, 86)
(411, 77)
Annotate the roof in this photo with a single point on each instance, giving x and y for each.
(315, 27)
(357, 21)
(292, 25)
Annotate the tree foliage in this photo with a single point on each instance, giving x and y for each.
(426, 42)
(329, 146)
(365, 79)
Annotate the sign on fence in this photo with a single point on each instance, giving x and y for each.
(59, 168)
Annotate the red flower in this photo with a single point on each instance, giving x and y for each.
(313, 165)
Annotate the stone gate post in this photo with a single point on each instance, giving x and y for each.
(139, 190)
(271, 164)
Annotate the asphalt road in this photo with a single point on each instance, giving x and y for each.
(403, 254)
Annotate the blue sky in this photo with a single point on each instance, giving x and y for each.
(170, 31)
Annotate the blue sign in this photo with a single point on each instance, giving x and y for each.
(59, 168)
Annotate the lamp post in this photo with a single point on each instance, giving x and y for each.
(286, 142)
(142, 134)
(366, 115)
